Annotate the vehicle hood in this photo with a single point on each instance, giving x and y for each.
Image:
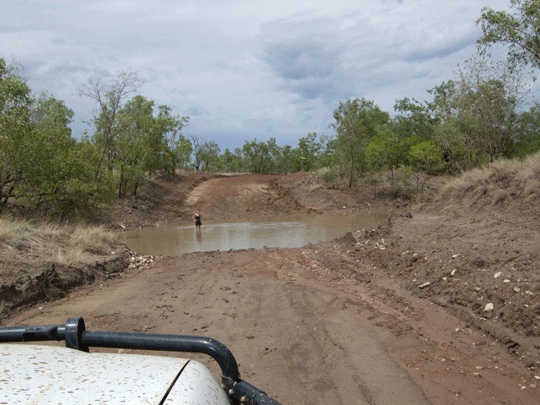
(35, 374)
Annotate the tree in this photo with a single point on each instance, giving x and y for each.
(257, 157)
(356, 123)
(286, 160)
(177, 149)
(479, 111)
(208, 154)
(15, 131)
(181, 151)
(134, 141)
(308, 151)
(205, 153)
(230, 162)
(197, 155)
(67, 184)
(527, 139)
(387, 150)
(109, 95)
(328, 155)
(59, 174)
(520, 31)
(426, 156)
(147, 143)
(414, 119)
(48, 165)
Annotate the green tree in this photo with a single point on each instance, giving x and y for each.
(527, 138)
(205, 153)
(134, 141)
(520, 31)
(287, 158)
(328, 155)
(261, 157)
(356, 123)
(109, 96)
(208, 155)
(48, 163)
(181, 151)
(176, 149)
(15, 131)
(479, 112)
(230, 162)
(387, 150)
(307, 153)
(275, 152)
(146, 143)
(414, 119)
(426, 156)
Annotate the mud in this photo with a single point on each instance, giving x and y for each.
(396, 314)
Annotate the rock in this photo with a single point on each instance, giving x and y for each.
(489, 307)
(498, 274)
(424, 285)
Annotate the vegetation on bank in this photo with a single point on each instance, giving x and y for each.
(51, 243)
(499, 182)
(472, 120)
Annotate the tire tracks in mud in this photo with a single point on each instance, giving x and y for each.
(304, 329)
(446, 355)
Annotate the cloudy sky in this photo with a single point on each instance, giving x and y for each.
(243, 69)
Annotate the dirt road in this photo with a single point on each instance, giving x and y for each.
(321, 324)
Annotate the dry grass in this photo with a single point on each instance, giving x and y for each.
(499, 182)
(48, 243)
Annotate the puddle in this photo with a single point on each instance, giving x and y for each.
(285, 231)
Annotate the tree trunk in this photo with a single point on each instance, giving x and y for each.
(121, 182)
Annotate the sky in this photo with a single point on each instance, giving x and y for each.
(243, 70)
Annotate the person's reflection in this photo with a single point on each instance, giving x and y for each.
(198, 234)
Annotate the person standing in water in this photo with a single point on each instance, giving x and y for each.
(197, 217)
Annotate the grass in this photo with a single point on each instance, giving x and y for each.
(61, 244)
(498, 182)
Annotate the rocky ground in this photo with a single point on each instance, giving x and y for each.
(439, 304)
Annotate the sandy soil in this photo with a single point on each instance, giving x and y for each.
(437, 305)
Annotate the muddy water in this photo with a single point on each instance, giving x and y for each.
(284, 231)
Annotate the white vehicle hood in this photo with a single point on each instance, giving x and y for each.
(33, 374)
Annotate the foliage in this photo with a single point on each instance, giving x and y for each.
(230, 162)
(520, 31)
(308, 150)
(414, 119)
(41, 164)
(260, 157)
(356, 123)
(427, 156)
(527, 137)
(15, 104)
(478, 113)
(109, 95)
(169, 149)
(206, 154)
(387, 150)
(328, 155)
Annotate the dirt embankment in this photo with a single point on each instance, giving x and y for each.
(452, 286)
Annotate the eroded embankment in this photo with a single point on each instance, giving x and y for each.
(25, 285)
